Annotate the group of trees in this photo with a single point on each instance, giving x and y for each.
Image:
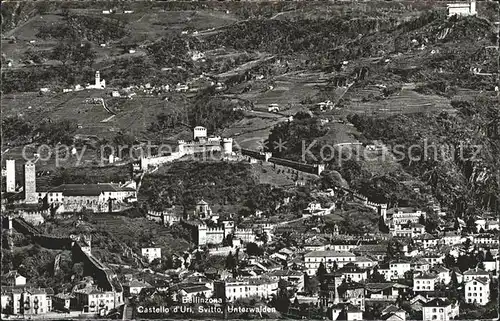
(212, 112)
(287, 140)
(94, 28)
(442, 160)
(185, 183)
(19, 130)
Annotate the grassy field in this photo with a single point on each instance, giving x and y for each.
(405, 101)
(288, 90)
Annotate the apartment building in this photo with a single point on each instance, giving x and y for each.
(313, 260)
(234, 289)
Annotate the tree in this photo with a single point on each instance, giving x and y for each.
(264, 237)
(467, 244)
(421, 219)
(394, 249)
(321, 272)
(335, 266)
(493, 290)
(282, 301)
(253, 249)
(230, 261)
(376, 276)
(382, 227)
(74, 52)
(488, 257)
(454, 279)
(311, 284)
(449, 260)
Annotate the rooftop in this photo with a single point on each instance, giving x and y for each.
(476, 271)
(426, 276)
(437, 303)
(329, 254)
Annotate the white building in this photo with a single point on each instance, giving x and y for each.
(93, 300)
(365, 262)
(424, 283)
(409, 231)
(434, 258)
(426, 240)
(24, 301)
(315, 209)
(134, 287)
(439, 309)
(398, 268)
(88, 193)
(313, 259)
(471, 274)
(234, 289)
(462, 9)
(451, 238)
(13, 278)
(477, 291)
(403, 215)
(443, 274)
(151, 253)
(352, 272)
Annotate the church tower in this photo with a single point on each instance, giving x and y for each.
(97, 79)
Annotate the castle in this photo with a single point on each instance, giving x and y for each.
(70, 197)
(200, 143)
(204, 234)
(29, 188)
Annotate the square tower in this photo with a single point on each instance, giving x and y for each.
(10, 166)
(199, 132)
(30, 196)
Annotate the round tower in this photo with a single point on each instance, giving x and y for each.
(227, 146)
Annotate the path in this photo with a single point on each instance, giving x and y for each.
(108, 119)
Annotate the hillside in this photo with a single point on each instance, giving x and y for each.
(395, 72)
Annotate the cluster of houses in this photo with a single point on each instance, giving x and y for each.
(353, 272)
(358, 272)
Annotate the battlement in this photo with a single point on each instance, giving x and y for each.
(158, 214)
(34, 213)
(208, 142)
(215, 230)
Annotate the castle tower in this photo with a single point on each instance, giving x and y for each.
(383, 211)
(199, 132)
(228, 227)
(201, 234)
(472, 7)
(10, 223)
(30, 196)
(202, 209)
(180, 146)
(10, 180)
(227, 146)
(320, 168)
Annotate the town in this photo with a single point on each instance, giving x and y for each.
(255, 185)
